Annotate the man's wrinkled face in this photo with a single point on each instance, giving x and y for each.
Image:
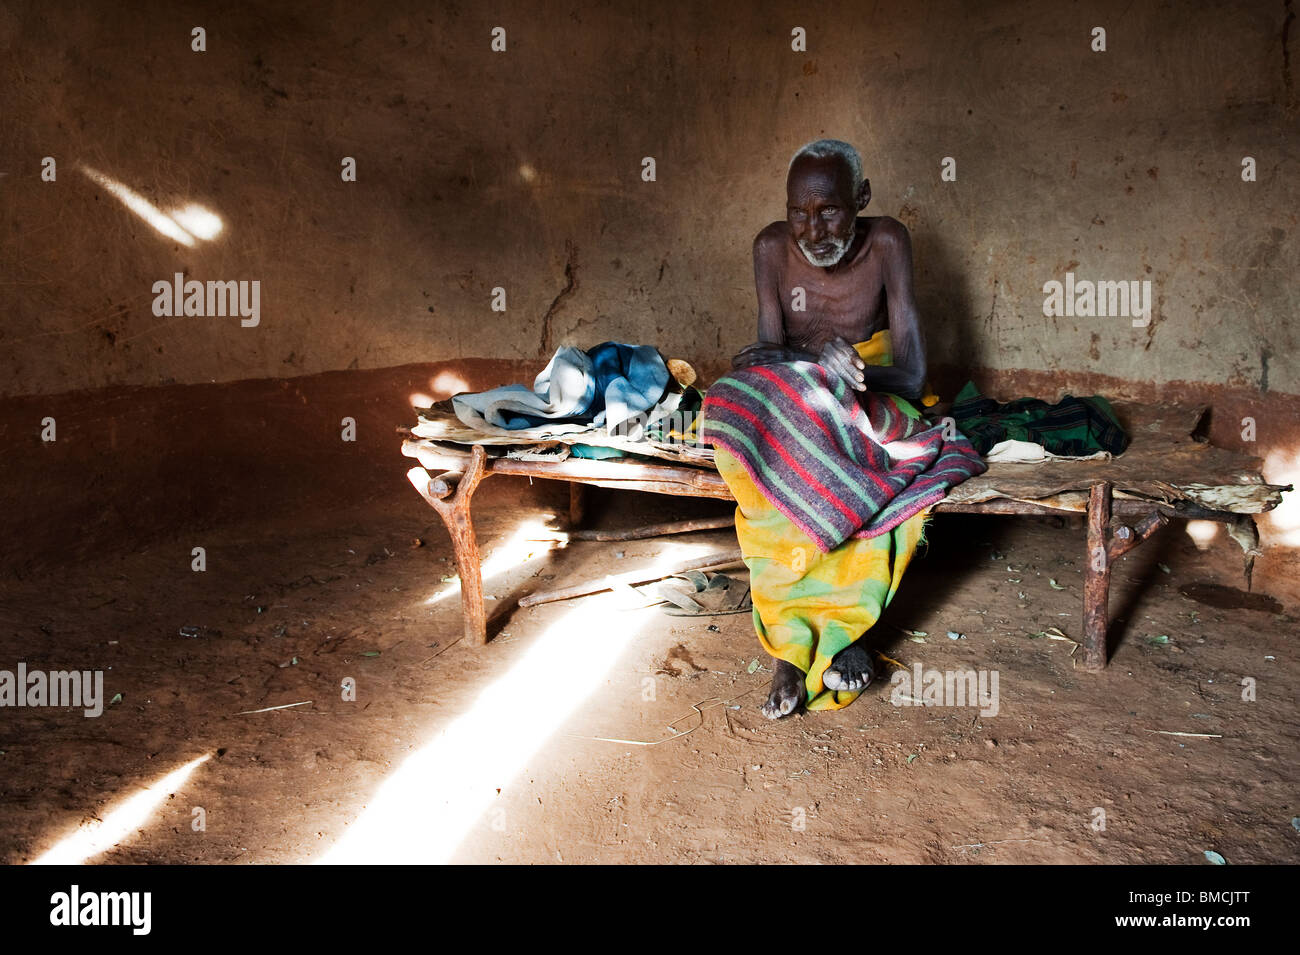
(821, 208)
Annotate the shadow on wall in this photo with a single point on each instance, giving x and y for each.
(943, 298)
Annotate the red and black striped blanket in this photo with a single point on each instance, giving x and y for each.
(835, 467)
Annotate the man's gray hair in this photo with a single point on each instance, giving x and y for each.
(826, 148)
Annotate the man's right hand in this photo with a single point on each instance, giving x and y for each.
(841, 359)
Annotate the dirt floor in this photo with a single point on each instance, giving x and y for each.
(530, 750)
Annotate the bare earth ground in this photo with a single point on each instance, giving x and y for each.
(345, 594)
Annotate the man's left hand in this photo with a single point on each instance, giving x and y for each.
(841, 359)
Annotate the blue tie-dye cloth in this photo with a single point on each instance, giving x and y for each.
(607, 385)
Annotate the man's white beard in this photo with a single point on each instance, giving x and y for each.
(839, 248)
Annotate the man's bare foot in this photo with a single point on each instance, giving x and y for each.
(787, 691)
(851, 670)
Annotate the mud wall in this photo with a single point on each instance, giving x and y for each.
(522, 170)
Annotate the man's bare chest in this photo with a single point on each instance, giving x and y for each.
(848, 304)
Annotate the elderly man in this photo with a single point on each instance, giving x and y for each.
(827, 278)
(834, 289)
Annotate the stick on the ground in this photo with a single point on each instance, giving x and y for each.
(633, 577)
(268, 709)
(654, 530)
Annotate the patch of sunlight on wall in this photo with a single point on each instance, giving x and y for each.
(448, 383)
(197, 221)
(1283, 467)
(181, 225)
(99, 835)
(1203, 533)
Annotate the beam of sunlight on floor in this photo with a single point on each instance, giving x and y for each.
(119, 822)
(529, 539)
(425, 809)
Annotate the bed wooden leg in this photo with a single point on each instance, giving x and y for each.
(1096, 578)
(1104, 548)
(577, 504)
(449, 495)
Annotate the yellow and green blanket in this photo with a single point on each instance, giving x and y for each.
(809, 605)
(832, 500)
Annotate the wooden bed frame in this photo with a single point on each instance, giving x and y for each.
(1125, 500)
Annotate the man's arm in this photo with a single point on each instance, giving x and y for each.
(906, 377)
(770, 347)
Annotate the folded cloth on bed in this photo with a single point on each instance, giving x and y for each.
(808, 606)
(1012, 451)
(834, 467)
(1073, 427)
(609, 385)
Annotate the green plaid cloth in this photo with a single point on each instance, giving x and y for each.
(1073, 426)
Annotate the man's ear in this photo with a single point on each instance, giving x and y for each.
(864, 194)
